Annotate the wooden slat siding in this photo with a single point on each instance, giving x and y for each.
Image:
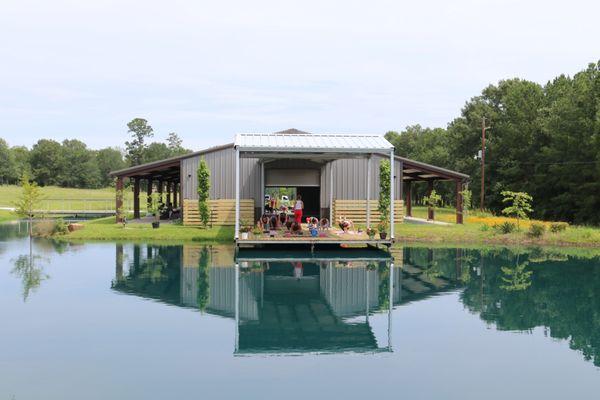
(222, 212)
(356, 210)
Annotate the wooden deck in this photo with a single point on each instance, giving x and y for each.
(331, 236)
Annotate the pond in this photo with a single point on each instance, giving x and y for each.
(125, 321)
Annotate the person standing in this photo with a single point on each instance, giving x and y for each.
(298, 207)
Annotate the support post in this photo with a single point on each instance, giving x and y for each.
(119, 198)
(237, 193)
(136, 198)
(392, 194)
(168, 200)
(430, 214)
(369, 192)
(409, 199)
(459, 202)
(262, 188)
(161, 185)
(175, 190)
(331, 222)
(391, 307)
(149, 193)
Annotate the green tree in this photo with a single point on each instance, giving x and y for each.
(433, 200)
(46, 162)
(79, 165)
(108, 159)
(175, 145)
(156, 151)
(20, 156)
(7, 164)
(140, 130)
(203, 174)
(384, 194)
(519, 205)
(28, 201)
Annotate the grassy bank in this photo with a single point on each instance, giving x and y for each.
(106, 229)
(6, 216)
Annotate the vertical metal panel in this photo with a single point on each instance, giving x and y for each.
(349, 180)
(221, 164)
(345, 290)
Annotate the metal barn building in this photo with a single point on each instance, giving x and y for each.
(338, 172)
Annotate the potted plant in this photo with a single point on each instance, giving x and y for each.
(371, 232)
(256, 231)
(383, 225)
(155, 209)
(244, 229)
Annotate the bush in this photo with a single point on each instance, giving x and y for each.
(536, 230)
(505, 227)
(484, 228)
(556, 227)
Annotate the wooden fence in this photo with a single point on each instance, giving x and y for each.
(222, 212)
(356, 210)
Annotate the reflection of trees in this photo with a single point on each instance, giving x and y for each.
(26, 267)
(565, 300)
(516, 278)
(203, 278)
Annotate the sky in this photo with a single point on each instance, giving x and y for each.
(210, 69)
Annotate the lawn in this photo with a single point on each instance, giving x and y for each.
(106, 229)
(57, 198)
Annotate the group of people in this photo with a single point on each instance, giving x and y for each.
(278, 219)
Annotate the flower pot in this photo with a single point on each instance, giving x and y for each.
(244, 235)
(382, 235)
(314, 232)
(155, 224)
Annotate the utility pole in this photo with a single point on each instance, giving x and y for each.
(483, 129)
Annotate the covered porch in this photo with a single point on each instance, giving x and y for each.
(320, 151)
(162, 177)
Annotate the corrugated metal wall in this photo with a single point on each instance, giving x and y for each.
(350, 180)
(345, 289)
(350, 177)
(222, 172)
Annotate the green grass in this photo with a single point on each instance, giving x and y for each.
(57, 198)
(6, 216)
(106, 229)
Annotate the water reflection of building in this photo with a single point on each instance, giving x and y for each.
(285, 302)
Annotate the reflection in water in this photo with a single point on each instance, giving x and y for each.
(292, 304)
(29, 269)
(280, 305)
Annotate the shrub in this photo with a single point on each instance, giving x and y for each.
(556, 227)
(60, 227)
(484, 228)
(536, 230)
(505, 227)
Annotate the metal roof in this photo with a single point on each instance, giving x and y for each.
(314, 143)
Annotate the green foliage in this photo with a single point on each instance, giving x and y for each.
(556, 227)
(60, 227)
(536, 230)
(505, 228)
(519, 205)
(107, 160)
(32, 275)
(28, 201)
(433, 200)
(467, 196)
(140, 130)
(544, 141)
(384, 193)
(154, 205)
(203, 174)
(46, 163)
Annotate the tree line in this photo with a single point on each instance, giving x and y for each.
(71, 163)
(543, 140)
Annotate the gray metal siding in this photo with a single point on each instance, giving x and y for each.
(350, 180)
(222, 173)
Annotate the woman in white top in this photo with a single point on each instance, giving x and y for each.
(298, 207)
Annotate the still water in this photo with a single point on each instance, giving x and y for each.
(129, 321)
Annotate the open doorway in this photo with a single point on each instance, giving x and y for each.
(311, 196)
